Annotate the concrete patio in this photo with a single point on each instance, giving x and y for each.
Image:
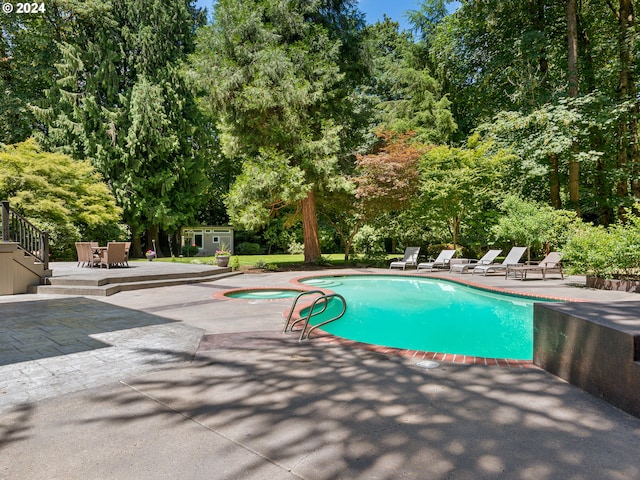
(175, 382)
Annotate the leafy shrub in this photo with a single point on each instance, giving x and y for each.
(324, 262)
(295, 248)
(590, 251)
(369, 242)
(281, 232)
(189, 250)
(612, 252)
(261, 264)
(248, 248)
(271, 267)
(533, 224)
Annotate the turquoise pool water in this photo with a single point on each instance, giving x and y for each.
(430, 315)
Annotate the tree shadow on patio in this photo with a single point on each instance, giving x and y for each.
(323, 411)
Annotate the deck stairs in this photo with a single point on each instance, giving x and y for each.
(30, 263)
(24, 252)
(109, 284)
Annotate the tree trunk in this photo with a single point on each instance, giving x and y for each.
(310, 229)
(456, 231)
(153, 238)
(605, 214)
(554, 181)
(572, 30)
(348, 241)
(627, 127)
(538, 20)
(136, 247)
(135, 250)
(601, 184)
(572, 57)
(632, 145)
(574, 180)
(585, 52)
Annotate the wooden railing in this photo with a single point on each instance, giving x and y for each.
(16, 228)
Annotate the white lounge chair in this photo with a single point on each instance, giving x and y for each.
(410, 258)
(487, 259)
(441, 261)
(550, 263)
(512, 258)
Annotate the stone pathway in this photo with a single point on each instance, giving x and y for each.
(55, 346)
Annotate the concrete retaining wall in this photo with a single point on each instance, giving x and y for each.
(594, 346)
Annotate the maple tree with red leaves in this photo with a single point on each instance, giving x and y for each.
(389, 176)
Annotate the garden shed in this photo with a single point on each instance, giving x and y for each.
(208, 239)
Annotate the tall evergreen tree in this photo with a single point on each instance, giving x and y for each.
(122, 102)
(410, 98)
(281, 75)
(28, 54)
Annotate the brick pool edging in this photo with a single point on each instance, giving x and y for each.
(425, 355)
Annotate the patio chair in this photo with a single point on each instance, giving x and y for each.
(81, 254)
(487, 259)
(512, 258)
(441, 261)
(549, 264)
(113, 255)
(410, 258)
(87, 257)
(127, 247)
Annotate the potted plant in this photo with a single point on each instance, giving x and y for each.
(222, 256)
(150, 254)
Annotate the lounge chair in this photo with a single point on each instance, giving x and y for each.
(512, 258)
(114, 255)
(441, 261)
(487, 259)
(410, 258)
(549, 264)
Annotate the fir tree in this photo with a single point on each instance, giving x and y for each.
(122, 102)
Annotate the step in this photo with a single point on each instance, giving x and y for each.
(105, 289)
(96, 282)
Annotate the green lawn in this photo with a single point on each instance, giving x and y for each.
(253, 260)
(281, 260)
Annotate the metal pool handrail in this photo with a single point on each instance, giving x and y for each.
(325, 299)
(322, 298)
(293, 307)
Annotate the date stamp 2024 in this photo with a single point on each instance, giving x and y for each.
(20, 8)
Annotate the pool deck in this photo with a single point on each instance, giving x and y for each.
(176, 382)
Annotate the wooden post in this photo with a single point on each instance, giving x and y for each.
(5, 221)
(44, 249)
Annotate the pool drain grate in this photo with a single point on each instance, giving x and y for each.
(428, 364)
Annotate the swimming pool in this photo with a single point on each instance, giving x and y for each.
(430, 315)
